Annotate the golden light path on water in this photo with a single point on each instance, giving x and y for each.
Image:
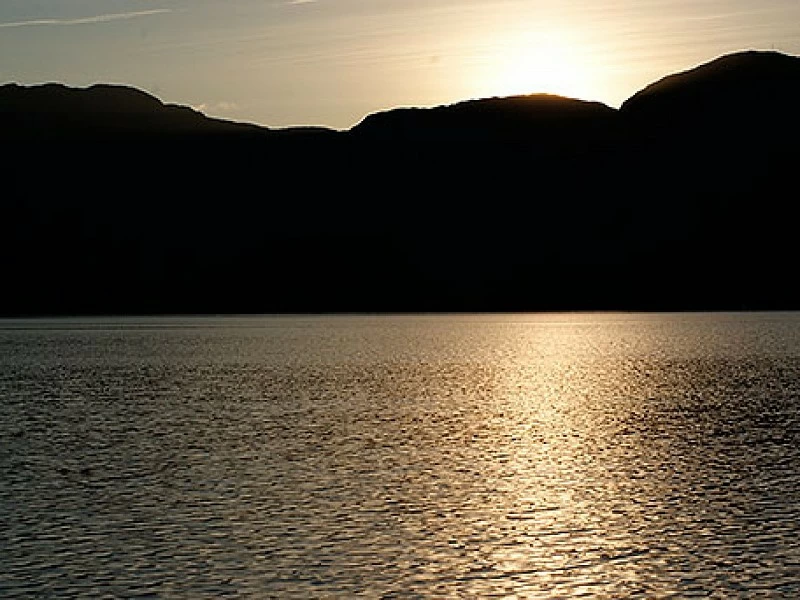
(530, 456)
(540, 509)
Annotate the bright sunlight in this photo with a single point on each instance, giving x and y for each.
(543, 61)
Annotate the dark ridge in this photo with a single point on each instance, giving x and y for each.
(488, 119)
(54, 111)
(685, 198)
(98, 98)
(733, 91)
(746, 72)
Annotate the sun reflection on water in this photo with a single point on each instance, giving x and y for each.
(463, 456)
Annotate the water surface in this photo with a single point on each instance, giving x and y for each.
(537, 456)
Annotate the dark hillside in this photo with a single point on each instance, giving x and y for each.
(683, 199)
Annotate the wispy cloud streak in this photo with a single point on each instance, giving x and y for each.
(86, 20)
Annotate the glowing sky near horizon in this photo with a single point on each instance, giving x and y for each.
(331, 62)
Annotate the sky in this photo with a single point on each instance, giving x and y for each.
(332, 62)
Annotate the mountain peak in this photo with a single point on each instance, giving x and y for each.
(733, 78)
(56, 111)
(101, 97)
(511, 118)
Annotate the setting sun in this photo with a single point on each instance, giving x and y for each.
(548, 61)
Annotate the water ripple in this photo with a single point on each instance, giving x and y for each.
(551, 456)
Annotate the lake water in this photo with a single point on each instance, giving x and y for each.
(475, 456)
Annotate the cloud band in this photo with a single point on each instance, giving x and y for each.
(86, 20)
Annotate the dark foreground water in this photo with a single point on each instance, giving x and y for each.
(447, 456)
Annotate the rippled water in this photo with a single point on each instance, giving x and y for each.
(439, 456)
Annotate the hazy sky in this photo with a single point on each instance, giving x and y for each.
(331, 62)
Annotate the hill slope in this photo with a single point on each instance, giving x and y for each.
(54, 111)
(684, 198)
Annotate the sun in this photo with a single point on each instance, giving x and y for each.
(540, 61)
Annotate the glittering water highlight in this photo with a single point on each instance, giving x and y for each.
(538, 456)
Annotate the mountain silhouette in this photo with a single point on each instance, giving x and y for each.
(733, 91)
(682, 199)
(55, 111)
(555, 121)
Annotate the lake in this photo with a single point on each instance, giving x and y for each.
(476, 456)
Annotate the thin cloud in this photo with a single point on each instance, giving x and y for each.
(216, 107)
(295, 2)
(87, 20)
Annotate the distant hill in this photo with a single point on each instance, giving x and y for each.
(551, 119)
(749, 87)
(115, 202)
(54, 111)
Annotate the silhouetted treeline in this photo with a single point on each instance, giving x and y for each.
(683, 199)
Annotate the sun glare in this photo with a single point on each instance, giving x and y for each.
(539, 62)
